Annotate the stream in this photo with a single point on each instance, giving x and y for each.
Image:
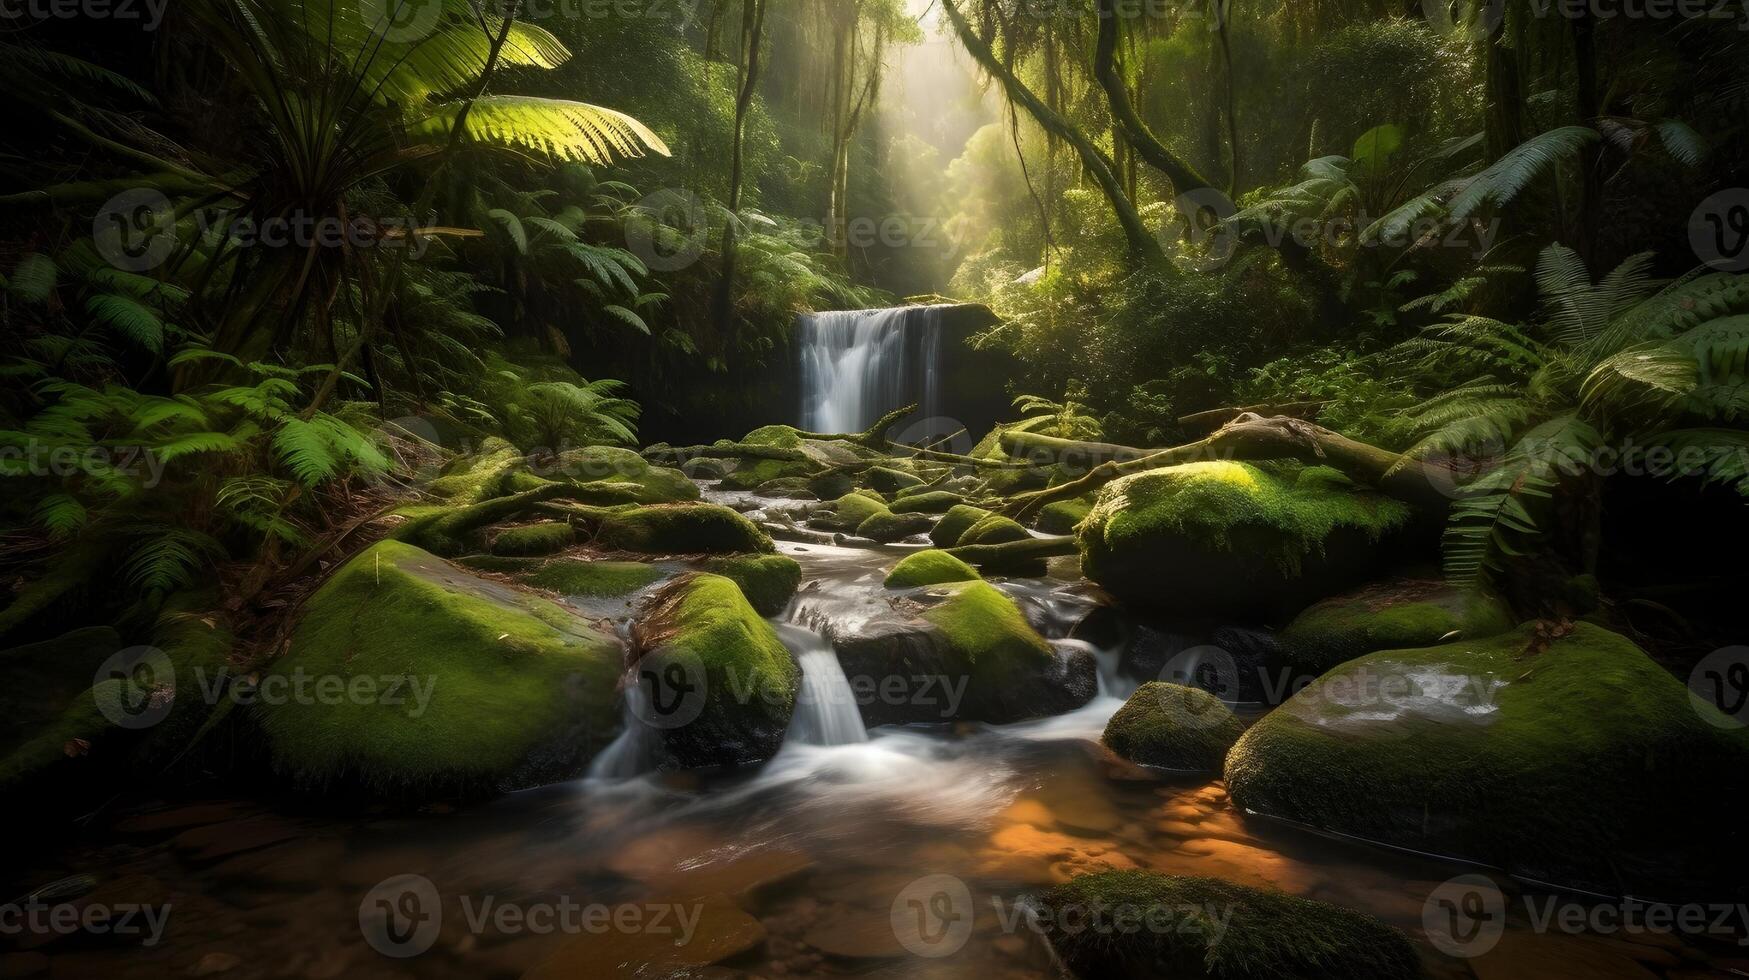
(828, 848)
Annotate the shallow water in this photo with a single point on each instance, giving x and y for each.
(819, 863)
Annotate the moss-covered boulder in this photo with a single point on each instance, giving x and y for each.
(679, 529)
(1210, 928)
(625, 468)
(594, 579)
(955, 523)
(1562, 753)
(768, 581)
(750, 471)
(887, 527)
(930, 567)
(929, 502)
(1234, 540)
(1173, 727)
(1390, 615)
(728, 684)
(968, 655)
(889, 480)
(1063, 516)
(479, 475)
(408, 676)
(542, 538)
(994, 529)
(848, 512)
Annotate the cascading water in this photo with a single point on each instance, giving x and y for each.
(826, 712)
(857, 365)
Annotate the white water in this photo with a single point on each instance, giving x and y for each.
(857, 365)
(826, 712)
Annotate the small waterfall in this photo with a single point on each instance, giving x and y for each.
(826, 712)
(857, 365)
(630, 754)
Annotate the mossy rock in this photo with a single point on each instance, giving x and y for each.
(1063, 516)
(928, 502)
(604, 466)
(1558, 753)
(1173, 727)
(1390, 615)
(929, 567)
(46, 700)
(830, 486)
(680, 529)
(595, 579)
(887, 527)
(751, 472)
(492, 687)
(544, 538)
(1210, 928)
(955, 523)
(768, 581)
(994, 529)
(480, 475)
(848, 512)
(501, 564)
(1006, 660)
(1228, 540)
(740, 681)
(705, 468)
(889, 481)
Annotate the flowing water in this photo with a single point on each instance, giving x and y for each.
(857, 365)
(823, 853)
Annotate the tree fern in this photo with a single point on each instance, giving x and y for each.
(129, 317)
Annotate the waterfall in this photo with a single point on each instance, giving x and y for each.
(857, 365)
(826, 712)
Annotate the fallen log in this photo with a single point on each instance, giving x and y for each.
(1042, 449)
(1253, 438)
(874, 437)
(1202, 423)
(1013, 554)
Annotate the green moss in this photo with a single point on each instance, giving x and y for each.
(1205, 502)
(480, 476)
(680, 529)
(930, 502)
(1571, 758)
(1387, 616)
(984, 626)
(768, 581)
(543, 538)
(501, 564)
(848, 512)
(703, 622)
(752, 472)
(955, 523)
(1063, 516)
(929, 567)
(515, 687)
(1215, 929)
(886, 526)
(597, 579)
(994, 529)
(889, 480)
(611, 475)
(1173, 727)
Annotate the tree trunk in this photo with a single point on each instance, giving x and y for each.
(1183, 176)
(1142, 244)
(752, 32)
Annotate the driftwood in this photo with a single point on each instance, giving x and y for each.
(1202, 423)
(1251, 437)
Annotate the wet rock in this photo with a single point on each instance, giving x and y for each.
(929, 567)
(1235, 541)
(409, 676)
(726, 684)
(1173, 727)
(1561, 753)
(768, 581)
(1392, 615)
(1219, 930)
